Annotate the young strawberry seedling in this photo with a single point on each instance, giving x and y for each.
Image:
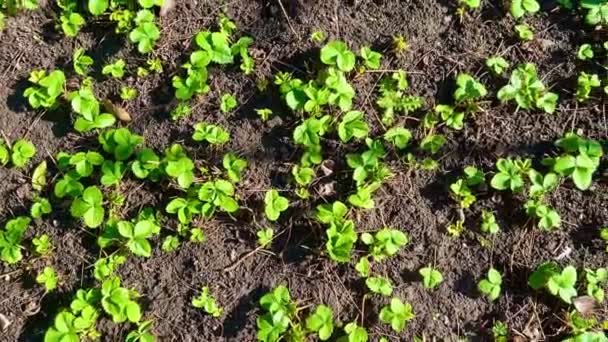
(46, 88)
(11, 237)
(524, 32)
(228, 103)
(527, 90)
(213, 134)
(397, 314)
(497, 64)
(379, 285)
(274, 204)
(48, 278)
(206, 302)
(431, 277)
(116, 69)
(558, 283)
(146, 33)
(385, 243)
(89, 207)
(491, 286)
(519, 8)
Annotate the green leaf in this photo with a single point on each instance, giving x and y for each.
(431, 277)
(39, 176)
(379, 285)
(98, 7)
(352, 125)
(337, 53)
(321, 322)
(274, 204)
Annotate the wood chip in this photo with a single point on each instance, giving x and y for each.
(168, 6)
(584, 304)
(4, 322)
(116, 110)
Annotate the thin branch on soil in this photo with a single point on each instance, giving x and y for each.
(244, 257)
(288, 21)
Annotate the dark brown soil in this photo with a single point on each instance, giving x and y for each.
(414, 201)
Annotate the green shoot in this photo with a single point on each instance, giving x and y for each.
(206, 302)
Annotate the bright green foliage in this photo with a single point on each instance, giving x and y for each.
(398, 136)
(123, 19)
(341, 235)
(354, 333)
(184, 208)
(195, 83)
(85, 104)
(509, 176)
(40, 207)
(379, 285)
(542, 185)
(206, 302)
(112, 172)
(274, 204)
(48, 278)
(488, 222)
(519, 8)
(22, 152)
(182, 110)
(279, 309)
(85, 162)
(363, 197)
(213, 134)
(353, 125)
(118, 301)
(317, 36)
(453, 117)
(128, 93)
(385, 243)
(39, 176)
(46, 88)
(596, 281)
(331, 213)
(63, 329)
(137, 235)
(106, 267)
(524, 32)
(42, 244)
(234, 166)
(121, 143)
(470, 3)
(585, 84)
(431, 277)
(217, 194)
(468, 89)
(492, 285)
(89, 207)
(597, 12)
(548, 218)
(397, 314)
(500, 331)
(321, 322)
(116, 69)
(527, 90)
(368, 165)
(303, 175)
(98, 7)
(392, 99)
(228, 103)
(265, 237)
(580, 161)
(497, 64)
(264, 113)
(170, 243)
(142, 333)
(342, 92)
(308, 132)
(10, 239)
(336, 53)
(585, 52)
(197, 235)
(558, 283)
(146, 33)
(71, 22)
(461, 193)
(68, 186)
(146, 165)
(363, 267)
(432, 143)
(179, 166)
(371, 58)
(4, 153)
(216, 45)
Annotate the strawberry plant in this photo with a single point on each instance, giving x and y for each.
(379, 285)
(497, 64)
(431, 277)
(48, 278)
(548, 218)
(432, 143)
(106, 267)
(120, 143)
(462, 194)
(85, 162)
(42, 244)
(234, 166)
(85, 104)
(81, 62)
(146, 33)
(10, 239)
(371, 59)
(384, 243)
(128, 93)
(69, 185)
(206, 302)
(71, 23)
(585, 84)
(398, 136)
(596, 281)
(228, 103)
(491, 286)
(116, 69)
(217, 194)
(524, 32)
(142, 333)
(541, 185)
(213, 134)
(265, 237)
(336, 53)
(488, 222)
(519, 8)
(137, 235)
(354, 333)
(321, 321)
(178, 165)
(509, 176)
(185, 208)
(89, 207)
(353, 125)
(558, 283)
(46, 88)
(182, 110)
(597, 12)
(527, 90)
(397, 314)
(118, 301)
(274, 204)
(392, 99)
(4, 153)
(585, 52)
(63, 329)
(341, 235)
(279, 310)
(580, 160)
(264, 113)
(40, 207)
(21, 152)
